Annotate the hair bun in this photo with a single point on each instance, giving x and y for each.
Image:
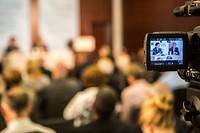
(164, 102)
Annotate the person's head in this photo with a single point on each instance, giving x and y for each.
(59, 70)
(12, 77)
(104, 105)
(174, 45)
(106, 65)
(134, 72)
(13, 41)
(17, 102)
(104, 51)
(160, 87)
(157, 45)
(93, 77)
(157, 114)
(33, 67)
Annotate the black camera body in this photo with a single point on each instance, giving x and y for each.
(179, 51)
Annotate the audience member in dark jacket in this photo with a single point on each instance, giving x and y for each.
(56, 96)
(103, 115)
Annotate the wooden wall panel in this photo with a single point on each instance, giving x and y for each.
(95, 19)
(141, 17)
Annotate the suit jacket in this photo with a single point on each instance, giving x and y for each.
(173, 51)
(157, 51)
(57, 95)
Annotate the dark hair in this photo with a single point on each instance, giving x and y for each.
(174, 43)
(13, 78)
(18, 103)
(157, 43)
(105, 102)
(17, 99)
(136, 70)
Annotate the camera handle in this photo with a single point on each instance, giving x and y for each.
(191, 110)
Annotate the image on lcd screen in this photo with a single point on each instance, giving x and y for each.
(166, 51)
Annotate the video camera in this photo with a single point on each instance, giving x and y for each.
(191, 8)
(179, 51)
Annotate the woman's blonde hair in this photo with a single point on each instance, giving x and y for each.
(93, 77)
(158, 111)
(33, 68)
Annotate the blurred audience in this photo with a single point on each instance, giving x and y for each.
(79, 108)
(35, 78)
(157, 116)
(57, 95)
(43, 68)
(136, 93)
(16, 106)
(13, 78)
(102, 115)
(150, 75)
(2, 85)
(1, 66)
(160, 116)
(82, 62)
(123, 60)
(104, 94)
(173, 80)
(14, 60)
(105, 51)
(115, 77)
(12, 45)
(39, 46)
(159, 87)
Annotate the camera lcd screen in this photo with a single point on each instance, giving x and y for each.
(166, 51)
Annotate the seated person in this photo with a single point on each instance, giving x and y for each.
(40, 45)
(79, 107)
(157, 50)
(57, 95)
(12, 45)
(160, 116)
(13, 78)
(103, 110)
(173, 50)
(135, 93)
(16, 106)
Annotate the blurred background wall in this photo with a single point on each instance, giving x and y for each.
(117, 23)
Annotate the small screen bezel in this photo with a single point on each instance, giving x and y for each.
(173, 67)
